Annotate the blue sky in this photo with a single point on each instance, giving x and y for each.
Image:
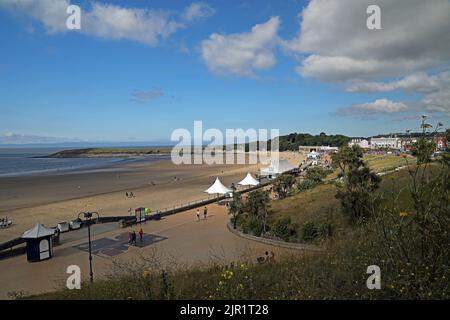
(124, 81)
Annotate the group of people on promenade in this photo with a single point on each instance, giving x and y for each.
(132, 237)
(205, 213)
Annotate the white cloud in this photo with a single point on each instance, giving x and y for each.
(416, 82)
(197, 10)
(51, 13)
(334, 43)
(242, 53)
(107, 21)
(370, 108)
(438, 101)
(114, 22)
(7, 138)
(436, 89)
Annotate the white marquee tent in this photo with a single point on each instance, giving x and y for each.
(249, 181)
(217, 188)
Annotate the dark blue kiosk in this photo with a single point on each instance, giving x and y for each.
(39, 243)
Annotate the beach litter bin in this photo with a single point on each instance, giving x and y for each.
(39, 243)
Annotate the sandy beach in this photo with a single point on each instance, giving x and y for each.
(51, 199)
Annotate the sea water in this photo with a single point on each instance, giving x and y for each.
(33, 161)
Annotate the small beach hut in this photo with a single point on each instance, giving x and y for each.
(248, 181)
(218, 188)
(39, 243)
(140, 214)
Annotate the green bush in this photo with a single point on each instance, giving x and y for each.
(306, 185)
(284, 229)
(317, 174)
(310, 232)
(325, 230)
(252, 225)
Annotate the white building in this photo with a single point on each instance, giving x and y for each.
(363, 143)
(328, 149)
(384, 142)
(276, 168)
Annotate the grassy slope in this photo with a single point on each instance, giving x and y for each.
(319, 203)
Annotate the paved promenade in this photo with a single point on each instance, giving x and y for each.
(177, 239)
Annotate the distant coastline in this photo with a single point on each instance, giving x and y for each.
(111, 152)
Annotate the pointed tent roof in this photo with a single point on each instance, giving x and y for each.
(217, 188)
(38, 231)
(249, 181)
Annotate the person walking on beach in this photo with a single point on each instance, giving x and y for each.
(198, 214)
(205, 212)
(133, 237)
(141, 234)
(130, 238)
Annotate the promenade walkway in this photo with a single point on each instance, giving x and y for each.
(177, 239)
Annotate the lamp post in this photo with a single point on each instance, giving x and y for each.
(88, 218)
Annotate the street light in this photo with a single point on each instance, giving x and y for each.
(88, 218)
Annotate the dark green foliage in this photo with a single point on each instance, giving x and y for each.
(358, 183)
(305, 185)
(309, 232)
(292, 141)
(283, 185)
(257, 203)
(236, 208)
(252, 225)
(317, 174)
(284, 229)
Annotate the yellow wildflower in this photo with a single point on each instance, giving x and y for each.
(404, 214)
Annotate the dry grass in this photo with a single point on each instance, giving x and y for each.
(383, 163)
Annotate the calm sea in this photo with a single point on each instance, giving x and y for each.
(22, 162)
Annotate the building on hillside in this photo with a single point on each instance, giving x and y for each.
(328, 149)
(386, 142)
(406, 143)
(276, 168)
(306, 149)
(363, 143)
(441, 142)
